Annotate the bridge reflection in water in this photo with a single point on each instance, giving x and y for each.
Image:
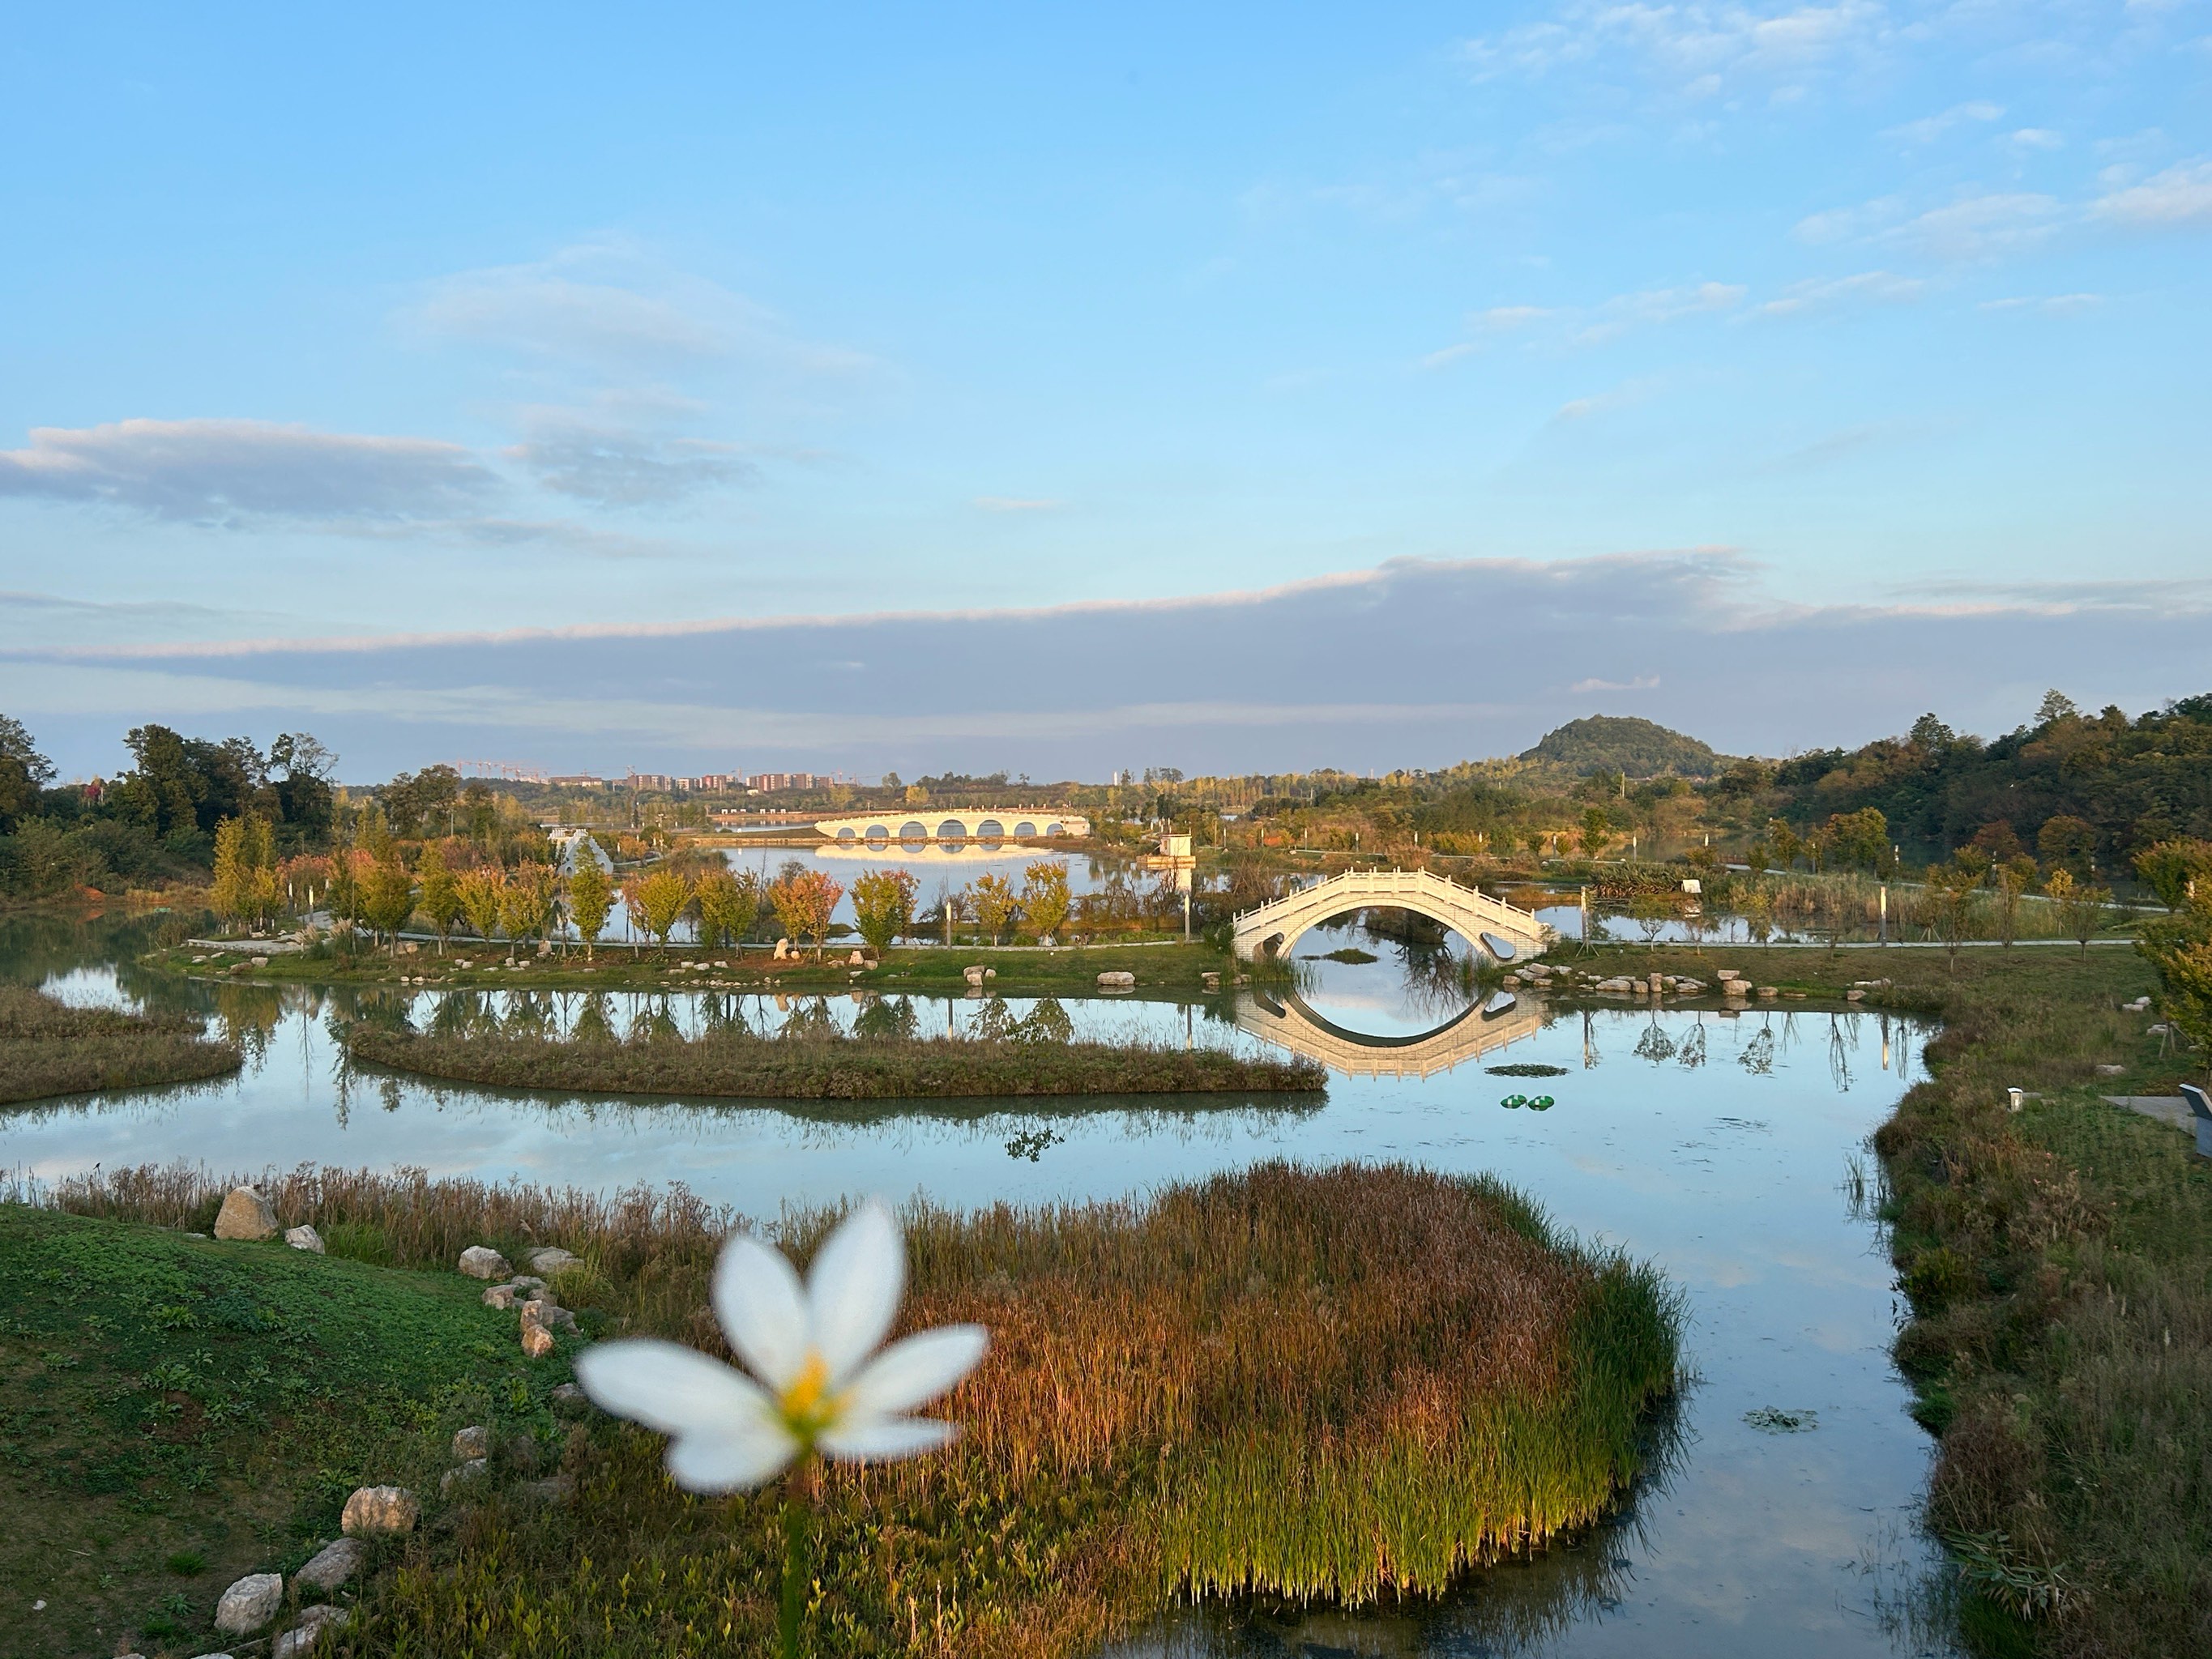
(1290, 1021)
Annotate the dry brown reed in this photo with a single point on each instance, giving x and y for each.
(1332, 1385)
(47, 1048)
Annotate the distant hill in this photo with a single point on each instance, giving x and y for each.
(1635, 747)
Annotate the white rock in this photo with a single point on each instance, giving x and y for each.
(472, 1442)
(295, 1642)
(552, 1259)
(974, 974)
(550, 1314)
(245, 1214)
(853, 961)
(333, 1565)
(499, 1296)
(482, 1261)
(304, 1237)
(380, 1509)
(461, 1473)
(250, 1603)
(1117, 979)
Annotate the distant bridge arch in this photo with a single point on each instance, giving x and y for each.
(1030, 823)
(1495, 927)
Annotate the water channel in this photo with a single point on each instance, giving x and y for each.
(1722, 1146)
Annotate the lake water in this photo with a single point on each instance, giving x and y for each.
(1722, 1146)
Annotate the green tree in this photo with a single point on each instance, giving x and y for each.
(2067, 842)
(1044, 897)
(1860, 839)
(804, 901)
(1789, 845)
(591, 901)
(1596, 832)
(387, 898)
(656, 902)
(527, 908)
(1950, 890)
(230, 894)
(995, 904)
(482, 891)
(882, 906)
(729, 903)
(2177, 870)
(2181, 948)
(440, 899)
(23, 773)
(2083, 908)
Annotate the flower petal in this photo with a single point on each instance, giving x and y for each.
(745, 1453)
(762, 1310)
(667, 1386)
(888, 1439)
(852, 1288)
(915, 1370)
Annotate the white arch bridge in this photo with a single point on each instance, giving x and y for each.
(1492, 925)
(1486, 1027)
(995, 823)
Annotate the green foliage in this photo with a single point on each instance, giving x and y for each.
(883, 905)
(591, 900)
(1629, 745)
(439, 897)
(1044, 897)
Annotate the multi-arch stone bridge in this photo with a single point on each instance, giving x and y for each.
(1484, 1028)
(993, 823)
(1491, 925)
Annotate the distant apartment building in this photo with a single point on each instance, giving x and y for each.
(577, 780)
(652, 782)
(715, 783)
(769, 782)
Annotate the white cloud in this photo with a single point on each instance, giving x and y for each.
(2179, 198)
(2055, 305)
(224, 471)
(1641, 682)
(1834, 292)
(1849, 224)
(1652, 307)
(623, 467)
(1929, 128)
(1984, 226)
(2042, 139)
(1694, 47)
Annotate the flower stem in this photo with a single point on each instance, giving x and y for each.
(798, 1502)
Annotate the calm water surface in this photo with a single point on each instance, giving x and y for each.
(1720, 1146)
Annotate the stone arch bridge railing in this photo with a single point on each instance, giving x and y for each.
(1492, 925)
(918, 826)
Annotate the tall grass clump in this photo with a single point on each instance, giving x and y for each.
(1331, 1386)
(48, 1048)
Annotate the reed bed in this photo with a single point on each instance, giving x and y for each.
(47, 1048)
(1328, 1386)
(726, 1064)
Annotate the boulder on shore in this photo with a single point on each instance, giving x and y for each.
(295, 1643)
(245, 1214)
(1117, 979)
(333, 1565)
(475, 1441)
(380, 1509)
(482, 1261)
(250, 1603)
(304, 1237)
(552, 1259)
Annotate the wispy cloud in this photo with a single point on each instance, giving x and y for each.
(229, 472)
(2054, 305)
(626, 467)
(1694, 48)
(1929, 128)
(1820, 294)
(2179, 198)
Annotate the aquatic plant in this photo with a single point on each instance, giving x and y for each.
(47, 1048)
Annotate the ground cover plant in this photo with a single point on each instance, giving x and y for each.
(48, 1048)
(733, 1064)
(179, 1412)
(1342, 1384)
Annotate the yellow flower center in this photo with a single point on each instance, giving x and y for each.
(807, 1404)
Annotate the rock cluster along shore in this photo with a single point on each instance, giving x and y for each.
(253, 1603)
(1735, 988)
(539, 1316)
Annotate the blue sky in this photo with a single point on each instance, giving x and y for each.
(1005, 326)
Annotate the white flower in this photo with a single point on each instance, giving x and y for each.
(812, 1347)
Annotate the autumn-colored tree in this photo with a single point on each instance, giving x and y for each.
(804, 901)
(2082, 908)
(483, 892)
(1044, 897)
(1950, 891)
(2010, 879)
(882, 906)
(591, 900)
(995, 905)
(229, 893)
(729, 902)
(2179, 871)
(387, 898)
(2067, 842)
(344, 899)
(440, 899)
(1788, 846)
(371, 833)
(656, 902)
